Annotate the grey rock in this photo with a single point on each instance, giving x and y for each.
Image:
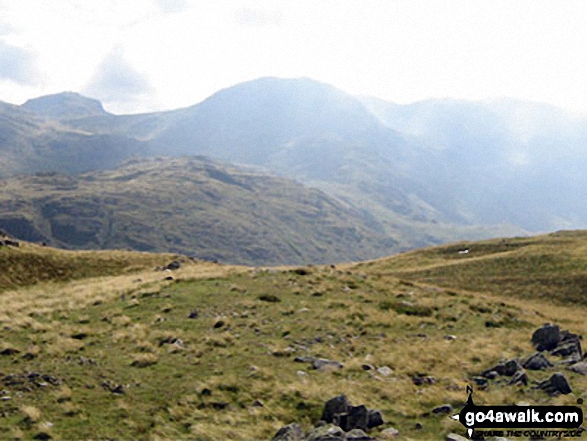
(566, 349)
(358, 435)
(445, 408)
(173, 266)
(389, 433)
(374, 419)
(337, 405)
(329, 432)
(490, 374)
(579, 368)
(481, 381)
(519, 378)
(556, 385)
(291, 432)
(357, 417)
(386, 371)
(322, 364)
(546, 338)
(536, 362)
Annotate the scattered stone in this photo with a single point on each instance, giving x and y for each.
(337, 405)
(519, 378)
(168, 278)
(358, 435)
(194, 314)
(569, 348)
(10, 351)
(556, 385)
(219, 324)
(291, 432)
(450, 337)
(537, 362)
(173, 266)
(356, 417)
(445, 408)
(546, 338)
(257, 403)
(386, 371)
(420, 379)
(389, 433)
(368, 367)
(323, 364)
(579, 368)
(42, 436)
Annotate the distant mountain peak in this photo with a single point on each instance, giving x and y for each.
(65, 105)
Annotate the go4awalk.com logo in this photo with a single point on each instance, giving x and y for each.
(526, 421)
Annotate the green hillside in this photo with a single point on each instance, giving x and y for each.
(209, 353)
(192, 206)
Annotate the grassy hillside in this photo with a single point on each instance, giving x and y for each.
(210, 354)
(551, 267)
(31, 264)
(193, 206)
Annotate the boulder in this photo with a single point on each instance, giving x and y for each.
(329, 432)
(536, 362)
(358, 435)
(291, 432)
(546, 338)
(445, 408)
(389, 433)
(579, 368)
(374, 419)
(337, 405)
(322, 364)
(519, 378)
(357, 417)
(556, 385)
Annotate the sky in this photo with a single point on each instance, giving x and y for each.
(148, 55)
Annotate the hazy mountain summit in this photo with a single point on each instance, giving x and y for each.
(65, 105)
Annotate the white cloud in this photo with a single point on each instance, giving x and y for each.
(401, 51)
(117, 83)
(17, 65)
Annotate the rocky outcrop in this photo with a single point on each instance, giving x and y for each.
(340, 421)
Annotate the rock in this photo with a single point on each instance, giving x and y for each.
(556, 385)
(389, 433)
(536, 362)
(330, 432)
(305, 359)
(42, 436)
(219, 324)
(566, 349)
(420, 379)
(490, 374)
(291, 432)
(168, 278)
(193, 314)
(519, 378)
(374, 419)
(455, 437)
(357, 417)
(445, 408)
(481, 381)
(322, 364)
(579, 368)
(386, 371)
(10, 351)
(337, 405)
(368, 367)
(173, 266)
(358, 435)
(546, 338)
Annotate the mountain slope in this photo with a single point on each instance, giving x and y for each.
(502, 160)
(31, 142)
(222, 353)
(192, 206)
(67, 105)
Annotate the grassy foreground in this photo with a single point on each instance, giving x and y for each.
(210, 354)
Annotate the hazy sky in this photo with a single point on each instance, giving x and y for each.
(142, 55)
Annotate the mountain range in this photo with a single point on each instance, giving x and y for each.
(411, 175)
